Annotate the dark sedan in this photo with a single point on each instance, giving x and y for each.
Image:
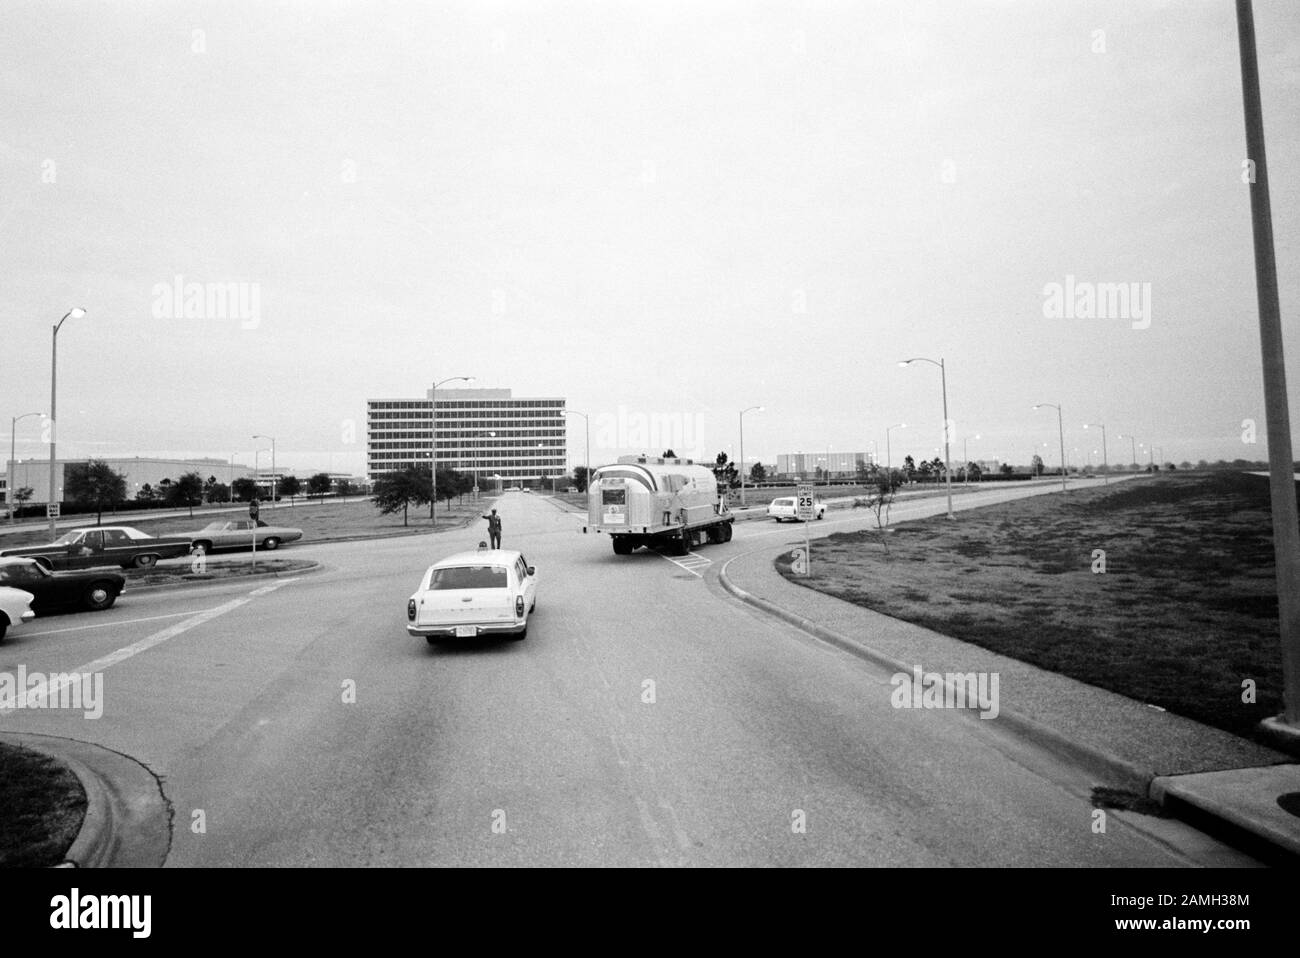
(104, 545)
(94, 590)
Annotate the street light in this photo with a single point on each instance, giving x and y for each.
(947, 458)
(1105, 456)
(13, 428)
(889, 462)
(742, 450)
(271, 439)
(433, 442)
(586, 481)
(1060, 426)
(1133, 450)
(75, 313)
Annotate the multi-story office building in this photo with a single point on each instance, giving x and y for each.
(809, 464)
(486, 432)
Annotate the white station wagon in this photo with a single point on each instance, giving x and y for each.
(780, 509)
(486, 592)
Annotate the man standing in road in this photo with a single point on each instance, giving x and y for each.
(494, 529)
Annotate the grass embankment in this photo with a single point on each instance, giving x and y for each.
(1185, 612)
(43, 807)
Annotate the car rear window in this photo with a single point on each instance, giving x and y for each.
(470, 577)
(782, 502)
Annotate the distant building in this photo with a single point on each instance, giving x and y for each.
(487, 432)
(808, 464)
(35, 473)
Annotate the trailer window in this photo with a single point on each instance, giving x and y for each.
(614, 497)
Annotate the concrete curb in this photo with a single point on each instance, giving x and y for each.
(286, 573)
(1115, 770)
(128, 820)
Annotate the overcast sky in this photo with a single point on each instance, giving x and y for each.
(680, 209)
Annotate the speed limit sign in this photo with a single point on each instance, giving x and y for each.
(804, 503)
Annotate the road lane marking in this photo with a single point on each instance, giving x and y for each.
(134, 649)
(104, 625)
(690, 563)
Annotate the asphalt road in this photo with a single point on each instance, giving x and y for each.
(648, 719)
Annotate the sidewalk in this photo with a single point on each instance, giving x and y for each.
(1196, 771)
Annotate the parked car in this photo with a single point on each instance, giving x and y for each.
(93, 590)
(238, 534)
(15, 608)
(488, 592)
(103, 546)
(780, 509)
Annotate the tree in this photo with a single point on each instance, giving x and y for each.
(319, 484)
(909, 468)
(923, 471)
(974, 471)
(344, 489)
(218, 492)
(402, 489)
(940, 469)
(185, 491)
(244, 488)
(580, 478)
(668, 454)
(1006, 469)
(23, 495)
(290, 486)
(95, 483)
(1036, 465)
(725, 471)
(146, 493)
(757, 473)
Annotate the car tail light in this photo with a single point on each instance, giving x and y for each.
(519, 606)
(410, 609)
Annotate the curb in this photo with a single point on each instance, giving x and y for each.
(128, 820)
(1094, 760)
(181, 581)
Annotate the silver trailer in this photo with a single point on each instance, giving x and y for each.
(673, 504)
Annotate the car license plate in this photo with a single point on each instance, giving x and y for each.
(466, 631)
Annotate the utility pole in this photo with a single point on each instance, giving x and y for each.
(1282, 486)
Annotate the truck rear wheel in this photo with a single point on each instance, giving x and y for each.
(622, 545)
(726, 532)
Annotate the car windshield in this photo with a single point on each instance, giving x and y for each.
(469, 577)
(214, 527)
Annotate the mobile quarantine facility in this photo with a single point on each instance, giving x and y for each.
(673, 504)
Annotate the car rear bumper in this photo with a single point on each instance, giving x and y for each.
(481, 628)
(28, 615)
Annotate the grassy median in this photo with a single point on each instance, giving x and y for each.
(1184, 613)
(43, 807)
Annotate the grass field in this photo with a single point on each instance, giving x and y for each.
(43, 808)
(319, 521)
(1184, 613)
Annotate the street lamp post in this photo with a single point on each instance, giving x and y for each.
(1133, 449)
(1060, 426)
(271, 484)
(586, 482)
(75, 313)
(889, 461)
(1105, 456)
(1286, 528)
(12, 487)
(742, 450)
(947, 458)
(433, 442)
